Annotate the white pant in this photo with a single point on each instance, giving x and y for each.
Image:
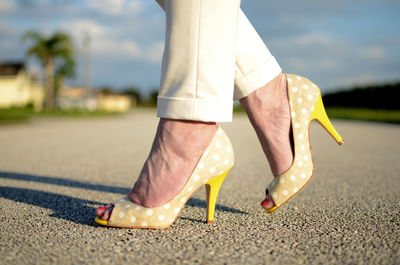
(200, 79)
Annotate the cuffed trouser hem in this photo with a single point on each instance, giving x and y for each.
(246, 83)
(194, 109)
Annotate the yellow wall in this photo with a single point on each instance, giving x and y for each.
(114, 103)
(18, 91)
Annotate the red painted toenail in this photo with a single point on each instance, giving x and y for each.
(264, 202)
(102, 208)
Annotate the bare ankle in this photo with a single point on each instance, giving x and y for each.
(177, 147)
(174, 134)
(268, 111)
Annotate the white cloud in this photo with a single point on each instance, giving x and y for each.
(129, 48)
(374, 53)
(328, 64)
(10, 41)
(111, 42)
(109, 7)
(298, 63)
(80, 26)
(7, 6)
(115, 7)
(155, 52)
(6, 28)
(134, 5)
(6, 45)
(304, 63)
(116, 48)
(359, 80)
(307, 39)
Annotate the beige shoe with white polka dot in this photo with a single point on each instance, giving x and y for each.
(211, 170)
(305, 103)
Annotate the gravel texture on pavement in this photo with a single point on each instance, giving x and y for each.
(55, 172)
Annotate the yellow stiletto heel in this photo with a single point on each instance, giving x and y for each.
(212, 189)
(320, 115)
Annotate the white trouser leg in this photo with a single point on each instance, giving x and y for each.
(199, 60)
(204, 38)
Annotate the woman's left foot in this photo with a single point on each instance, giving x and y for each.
(177, 147)
(269, 112)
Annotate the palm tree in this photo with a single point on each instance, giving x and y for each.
(56, 53)
(66, 69)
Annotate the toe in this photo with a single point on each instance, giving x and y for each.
(267, 203)
(100, 210)
(107, 213)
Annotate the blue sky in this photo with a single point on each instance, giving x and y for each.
(337, 44)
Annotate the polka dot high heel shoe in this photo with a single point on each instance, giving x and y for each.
(211, 171)
(305, 105)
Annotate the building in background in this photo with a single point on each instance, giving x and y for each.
(114, 102)
(17, 88)
(78, 98)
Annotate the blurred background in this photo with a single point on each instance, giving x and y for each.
(104, 56)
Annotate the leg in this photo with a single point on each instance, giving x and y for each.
(262, 91)
(198, 62)
(196, 91)
(268, 111)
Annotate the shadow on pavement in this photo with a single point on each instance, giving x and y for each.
(202, 204)
(63, 182)
(64, 207)
(70, 208)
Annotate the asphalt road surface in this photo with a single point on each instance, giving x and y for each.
(55, 172)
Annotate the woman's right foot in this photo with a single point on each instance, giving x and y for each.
(305, 105)
(177, 147)
(269, 112)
